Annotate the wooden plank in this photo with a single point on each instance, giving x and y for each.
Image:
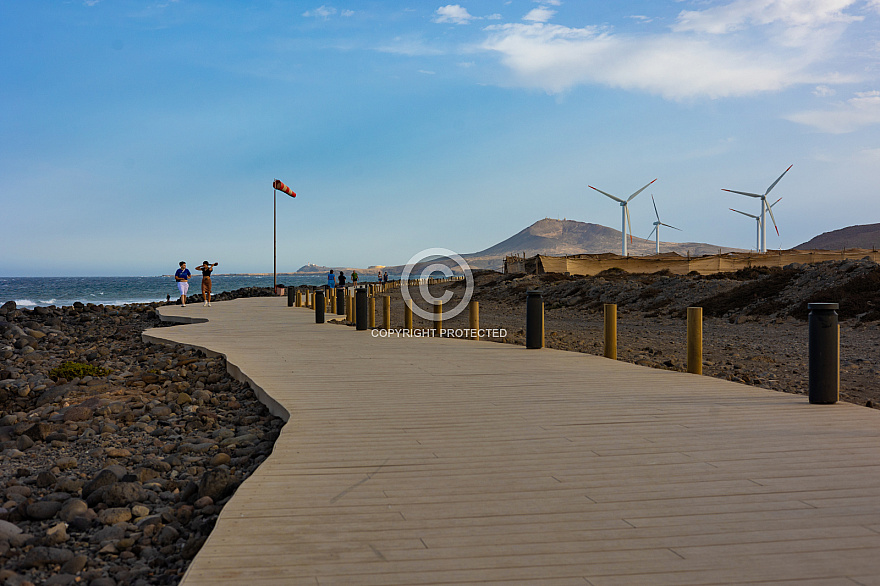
(434, 461)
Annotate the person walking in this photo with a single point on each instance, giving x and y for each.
(206, 268)
(341, 280)
(385, 278)
(182, 277)
(354, 278)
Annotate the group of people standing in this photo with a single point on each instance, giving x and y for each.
(182, 276)
(334, 281)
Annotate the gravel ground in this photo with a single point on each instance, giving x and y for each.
(754, 328)
(118, 476)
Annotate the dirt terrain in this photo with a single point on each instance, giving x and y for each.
(754, 330)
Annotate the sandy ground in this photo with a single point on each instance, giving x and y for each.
(766, 352)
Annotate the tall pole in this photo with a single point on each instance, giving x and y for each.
(274, 239)
(623, 228)
(763, 228)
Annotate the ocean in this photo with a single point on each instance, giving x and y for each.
(62, 291)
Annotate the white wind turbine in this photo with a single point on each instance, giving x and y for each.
(765, 207)
(757, 221)
(624, 212)
(657, 225)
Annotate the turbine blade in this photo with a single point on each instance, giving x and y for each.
(743, 193)
(673, 227)
(655, 207)
(775, 202)
(771, 216)
(628, 222)
(777, 181)
(743, 213)
(648, 237)
(608, 194)
(630, 198)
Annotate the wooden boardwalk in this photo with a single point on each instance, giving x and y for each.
(429, 461)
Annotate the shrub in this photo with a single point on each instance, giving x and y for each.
(71, 370)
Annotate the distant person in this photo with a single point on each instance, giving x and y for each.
(168, 299)
(354, 278)
(331, 280)
(341, 280)
(385, 278)
(206, 268)
(182, 277)
(379, 277)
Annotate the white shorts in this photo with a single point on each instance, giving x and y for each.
(183, 286)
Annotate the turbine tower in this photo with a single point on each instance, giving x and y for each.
(657, 225)
(757, 222)
(624, 212)
(765, 207)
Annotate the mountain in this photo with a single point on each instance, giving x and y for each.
(565, 237)
(866, 236)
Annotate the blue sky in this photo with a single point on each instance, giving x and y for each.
(138, 134)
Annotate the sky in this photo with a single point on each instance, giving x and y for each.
(135, 134)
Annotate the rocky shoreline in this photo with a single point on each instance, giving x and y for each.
(117, 474)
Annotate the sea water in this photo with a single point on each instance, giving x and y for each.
(64, 291)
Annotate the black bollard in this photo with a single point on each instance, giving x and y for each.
(291, 293)
(534, 320)
(824, 353)
(361, 316)
(319, 306)
(340, 302)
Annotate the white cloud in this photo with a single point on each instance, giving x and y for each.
(556, 58)
(823, 91)
(320, 12)
(452, 13)
(860, 111)
(740, 13)
(692, 59)
(540, 14)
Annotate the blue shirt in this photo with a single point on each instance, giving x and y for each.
(331, 280)
(182, 273)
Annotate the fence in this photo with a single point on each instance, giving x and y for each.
(592, 264)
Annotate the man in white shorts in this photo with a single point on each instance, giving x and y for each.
(182, 277)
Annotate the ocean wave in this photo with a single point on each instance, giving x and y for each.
(26, 302)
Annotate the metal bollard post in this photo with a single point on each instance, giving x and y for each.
(534, 320)
(407, 317)
(824, 353)
(695, 340)
(386, 312)
(299, 298)
(474, 320)
(372, 311)
(319, 307)
(438, 318)
(340, 302)
(611, 331)
(360, 295)
(291, 294)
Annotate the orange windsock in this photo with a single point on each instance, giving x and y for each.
(281, 187)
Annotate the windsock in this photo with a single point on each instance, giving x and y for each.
(281, 187)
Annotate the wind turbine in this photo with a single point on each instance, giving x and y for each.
(758, 221)
(624, 212)
(765, 207)
(657, 225)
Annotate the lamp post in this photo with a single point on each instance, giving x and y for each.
(276, 187)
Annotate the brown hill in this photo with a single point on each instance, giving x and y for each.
(564, 237)
(866, 236)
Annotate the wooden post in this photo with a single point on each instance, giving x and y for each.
(386, 312)
(438, 318)
(611, 331)
(695, 340)
(474, 320)
(407, 317)
(372, 312)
